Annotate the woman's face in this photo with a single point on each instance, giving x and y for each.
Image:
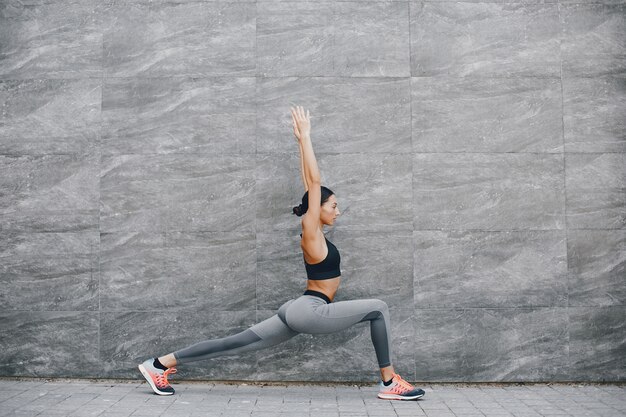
(329, 212)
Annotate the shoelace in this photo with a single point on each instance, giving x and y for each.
(402, 384)
(162, 378)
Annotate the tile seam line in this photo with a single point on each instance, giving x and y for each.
(254, 174)
(179, 76)
(617, 306)
(374, 229)
(265, 154)
(359, 231)
(98, 150)
(140, 77)
(568, 363)
(412, 197)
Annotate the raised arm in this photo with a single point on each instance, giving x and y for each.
(310, 176)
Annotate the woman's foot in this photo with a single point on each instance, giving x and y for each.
(157, 378)
(399, 389)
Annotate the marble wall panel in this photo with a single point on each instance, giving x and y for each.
(50, 39)
(592, 39)
(374, 264)
(129, 338)
(177, 192)
(490, 269)
(49, 271)
(593, 114)
(371, 39)
(48, 193)
(49, 116)
(597, 267)
(179, 39)
(485, 39)
(488, 191)
(178, 115)
(134, 193)
(189, 271)
(212, 193)
(373, 191)
(280, 268)
(348, 115)
(484, 344)
(49, 343)
(597, 343)
(596, 190)
(279, 188)
(342, 356)
(294, 38)
(486, 114)
(333, 39)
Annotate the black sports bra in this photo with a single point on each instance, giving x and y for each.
(328, 268)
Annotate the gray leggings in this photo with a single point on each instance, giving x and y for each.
(305, 314)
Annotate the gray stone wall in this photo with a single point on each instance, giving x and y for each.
(148, 169)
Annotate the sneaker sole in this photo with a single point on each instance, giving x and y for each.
(146, 375)
(399, 397)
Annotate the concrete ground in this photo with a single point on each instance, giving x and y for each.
(116, 398)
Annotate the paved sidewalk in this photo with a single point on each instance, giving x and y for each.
(115, 398)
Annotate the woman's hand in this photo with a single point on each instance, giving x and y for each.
(301, 123)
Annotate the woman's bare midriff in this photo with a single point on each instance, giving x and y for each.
(326, 286)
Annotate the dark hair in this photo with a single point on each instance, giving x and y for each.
(304, 206)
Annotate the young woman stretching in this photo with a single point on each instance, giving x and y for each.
(314, 312)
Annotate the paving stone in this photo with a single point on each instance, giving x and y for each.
(407, 413)
(85, 412)
(439, 413)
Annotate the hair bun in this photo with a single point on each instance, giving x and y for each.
(298, 210)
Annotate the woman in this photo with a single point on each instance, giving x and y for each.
(313, 312)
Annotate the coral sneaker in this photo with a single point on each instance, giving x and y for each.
(399, 389)
(157, 378)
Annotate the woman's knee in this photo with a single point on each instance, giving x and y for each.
(381, 306)
(378, 310)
